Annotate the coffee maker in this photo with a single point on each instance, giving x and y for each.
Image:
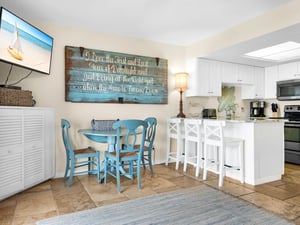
(257, 109)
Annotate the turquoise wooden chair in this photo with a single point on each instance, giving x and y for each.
(127, 158)
(149, 141)
(72, 157)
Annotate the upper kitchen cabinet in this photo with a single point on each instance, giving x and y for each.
(271, 77)
(236, 73)
(289, 71)
(255, 91)
(204, 78)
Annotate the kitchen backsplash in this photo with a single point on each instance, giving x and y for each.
(194, 105)
(230, 100)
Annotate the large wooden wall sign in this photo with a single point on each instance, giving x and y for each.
(110, 77)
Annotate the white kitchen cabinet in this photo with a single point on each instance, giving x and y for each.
(245, 74)
(289, 71)
(255, 91)
(271, 77)
(236, 73)
(204, 78)
(27, 148)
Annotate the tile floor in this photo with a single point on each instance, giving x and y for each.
(53, 197)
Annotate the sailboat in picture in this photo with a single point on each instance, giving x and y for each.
(15, 48)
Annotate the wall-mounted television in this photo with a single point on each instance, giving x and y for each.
(23, 44)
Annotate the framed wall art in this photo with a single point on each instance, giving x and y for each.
(111, 77)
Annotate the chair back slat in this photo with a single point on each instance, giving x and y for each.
(213, 132)
(65, 125)
(151, 131)
(192, 129)
(135, 131)
(174, 128)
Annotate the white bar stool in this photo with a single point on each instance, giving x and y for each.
(175, 131)
(192, 134)
(214, 140)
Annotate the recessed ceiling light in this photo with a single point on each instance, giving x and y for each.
(281, 52)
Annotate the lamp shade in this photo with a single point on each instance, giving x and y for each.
(181, 81)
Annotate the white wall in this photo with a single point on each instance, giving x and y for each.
(49, 91)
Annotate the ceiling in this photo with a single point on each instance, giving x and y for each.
(168, 21)
(235, 53)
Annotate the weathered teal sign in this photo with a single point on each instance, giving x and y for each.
(110, 77)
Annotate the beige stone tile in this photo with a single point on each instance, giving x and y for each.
(281, 208)
(31, 220)
(6, 219)
(168, 171)
(235, 189)
(7, 210)
(185, 182)
(295, 200)
(297, 221)
(72, 203)
(9, 202)
(291, 179)
(133, 193)
(71, 199)
(103, 192)
(282, 192)
(35, 203)
(112, 201)
(161, 183)
(45, 186)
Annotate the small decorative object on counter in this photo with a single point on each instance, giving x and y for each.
(275, 110)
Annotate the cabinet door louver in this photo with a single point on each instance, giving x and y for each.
(33, 128)
(11, 130)
(12, 180)
(11, 151)
(34, 150)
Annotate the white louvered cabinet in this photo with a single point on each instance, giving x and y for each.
(27, 148)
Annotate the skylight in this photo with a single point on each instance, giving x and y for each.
(281, 52)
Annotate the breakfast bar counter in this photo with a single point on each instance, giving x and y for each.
(263, 149)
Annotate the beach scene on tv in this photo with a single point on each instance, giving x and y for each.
(23, 44)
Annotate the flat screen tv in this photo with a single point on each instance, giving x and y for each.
(23, 44)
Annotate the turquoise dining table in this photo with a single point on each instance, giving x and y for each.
(102, 136)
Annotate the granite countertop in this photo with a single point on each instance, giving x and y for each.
(248, 119)
(253, 120)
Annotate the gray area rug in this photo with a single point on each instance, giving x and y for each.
(198, 205)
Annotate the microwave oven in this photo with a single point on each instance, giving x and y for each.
(288, 90)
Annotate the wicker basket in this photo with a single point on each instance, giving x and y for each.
(15, 97)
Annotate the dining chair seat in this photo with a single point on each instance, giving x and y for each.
(217, 148)
(123, 155)
(76, 158)
(87, 150)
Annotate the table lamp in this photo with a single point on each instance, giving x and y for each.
(181, 84)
